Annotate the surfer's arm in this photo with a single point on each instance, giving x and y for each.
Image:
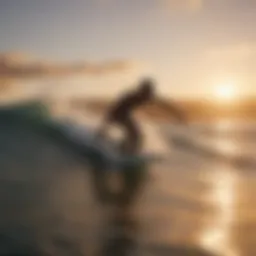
(172, 109)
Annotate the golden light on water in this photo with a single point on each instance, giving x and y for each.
(217, 236)
(225, 145)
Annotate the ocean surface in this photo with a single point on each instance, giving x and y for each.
(217, 179)
(202, 202)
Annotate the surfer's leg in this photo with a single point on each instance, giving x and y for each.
(131, 177)
(133, 137)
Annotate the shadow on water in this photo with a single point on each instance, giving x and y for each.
(122, 239)
(177, 251)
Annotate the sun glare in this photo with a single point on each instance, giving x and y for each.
(225, 92)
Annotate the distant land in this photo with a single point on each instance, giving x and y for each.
(196, 109)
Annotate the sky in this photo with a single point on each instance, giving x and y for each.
(189, 47)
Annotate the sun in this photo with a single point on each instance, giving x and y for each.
(225, 91)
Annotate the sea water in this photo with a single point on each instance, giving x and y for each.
(197, 204)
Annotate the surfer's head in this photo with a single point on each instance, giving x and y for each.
(147, 88)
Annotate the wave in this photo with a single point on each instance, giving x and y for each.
(205, 147)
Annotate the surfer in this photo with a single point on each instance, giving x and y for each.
(120, 114)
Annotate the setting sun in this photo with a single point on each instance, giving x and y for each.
(225, 91)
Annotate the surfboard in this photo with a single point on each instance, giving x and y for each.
(107, 147)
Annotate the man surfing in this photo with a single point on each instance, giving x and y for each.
(120, 114)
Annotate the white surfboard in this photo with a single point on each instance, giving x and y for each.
(86, 137)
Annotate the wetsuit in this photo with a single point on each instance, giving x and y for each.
(121, 115)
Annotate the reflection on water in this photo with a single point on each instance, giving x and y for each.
(218, 235)
(119, 238)
(225, 145)
(223, 126)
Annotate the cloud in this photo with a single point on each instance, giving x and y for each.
(18, 66)
(183, 5)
